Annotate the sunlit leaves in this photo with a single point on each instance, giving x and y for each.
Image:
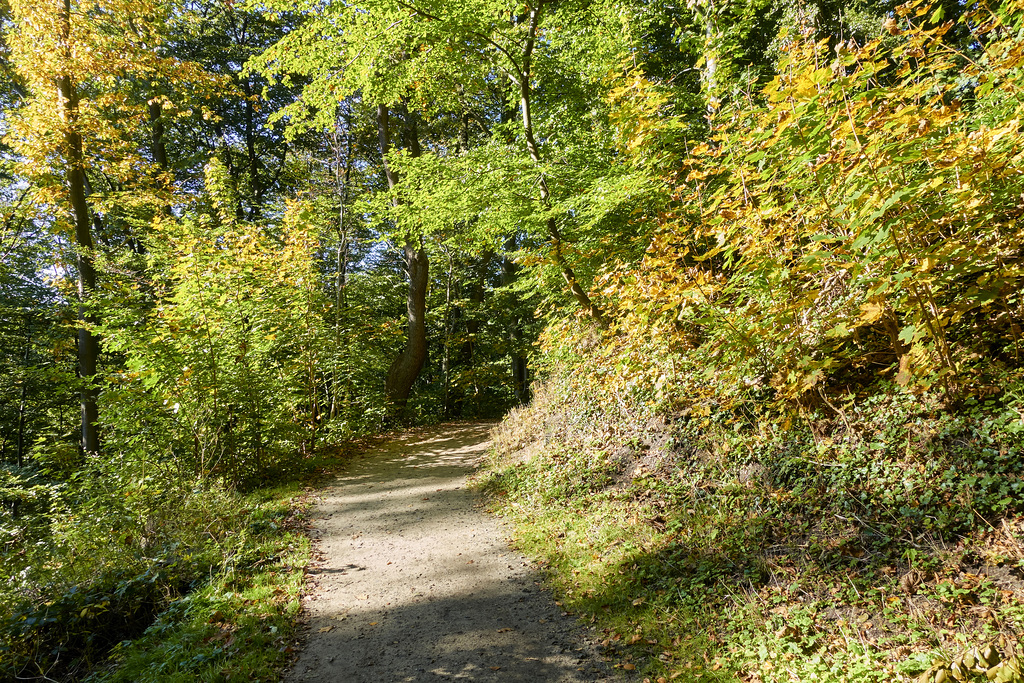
(225, 353)
(110, 51)
(857, 208)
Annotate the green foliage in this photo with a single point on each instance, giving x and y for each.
(217, 369)
(80, 626)
(805, 242)
(237, 625)
(35, 352)
(858, 214)
(189, 590)
(852, 547)
(242, 330)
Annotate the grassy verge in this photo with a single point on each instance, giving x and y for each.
(192, 584)
(238, 623)
(884, 545)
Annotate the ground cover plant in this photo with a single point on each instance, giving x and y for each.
(204, 584)
(239, 623)
(886, 544)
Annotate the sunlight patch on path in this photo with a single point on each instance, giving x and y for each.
(415, 583)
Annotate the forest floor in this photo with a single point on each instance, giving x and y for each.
(413, 581)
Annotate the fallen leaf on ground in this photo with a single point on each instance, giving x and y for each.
(325, 629)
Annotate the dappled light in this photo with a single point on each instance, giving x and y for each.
(413, 581)
(738, 286)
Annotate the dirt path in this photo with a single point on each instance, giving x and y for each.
(417, 584)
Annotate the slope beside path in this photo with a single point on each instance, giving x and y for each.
(416, 583)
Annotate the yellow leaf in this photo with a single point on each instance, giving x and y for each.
(870, 312)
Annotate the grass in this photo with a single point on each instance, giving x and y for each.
(884, 547)
(239, 625)
(196, 583)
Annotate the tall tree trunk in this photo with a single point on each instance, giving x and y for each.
(342, 173)
(156, 131)
(520, 371)
(451, 314)
(256, 188)
(23, 403)
(88, 343)
(406, 367)
(709, 74)
(229, 164)
(476, 299)
(523, 83)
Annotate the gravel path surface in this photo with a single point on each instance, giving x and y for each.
(416, 583)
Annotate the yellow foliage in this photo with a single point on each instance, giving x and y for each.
(108, 49)
(850, 212)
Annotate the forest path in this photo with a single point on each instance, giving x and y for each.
(415, 583)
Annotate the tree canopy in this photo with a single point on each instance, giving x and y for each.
(235, 234)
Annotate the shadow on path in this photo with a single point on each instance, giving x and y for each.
(417, 584)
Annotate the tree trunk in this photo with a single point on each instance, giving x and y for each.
(406, 367)
(523, 82)
(88, 343)
(341, 179)
(256, 188)
(156, 131)
(520, 371)
(23, 403)
(229, 164)
(451, 314)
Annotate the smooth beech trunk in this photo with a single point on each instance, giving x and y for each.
(88, 343)
(523, 83)
(407, 365)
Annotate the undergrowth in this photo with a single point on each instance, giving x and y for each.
(238, 622)
(197, 583)
(878, 539)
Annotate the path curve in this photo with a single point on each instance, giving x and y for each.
(416, 583)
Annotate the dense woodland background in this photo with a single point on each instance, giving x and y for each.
(781, 236)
